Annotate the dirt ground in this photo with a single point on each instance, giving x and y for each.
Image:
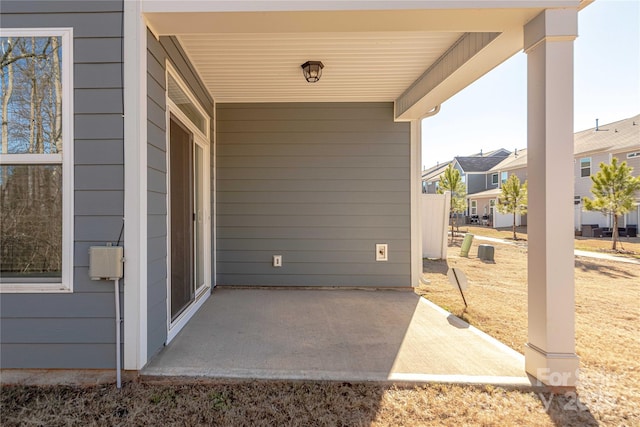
(627, 246)
(607, 319)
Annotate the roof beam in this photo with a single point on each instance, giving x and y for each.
(467, 46)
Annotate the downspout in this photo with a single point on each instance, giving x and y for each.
(416, 201)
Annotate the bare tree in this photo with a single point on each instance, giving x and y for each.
(57, 84)
(7, 90)
(30, 200)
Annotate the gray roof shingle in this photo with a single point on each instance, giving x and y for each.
(478, 164)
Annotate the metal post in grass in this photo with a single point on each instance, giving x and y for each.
(458, 279)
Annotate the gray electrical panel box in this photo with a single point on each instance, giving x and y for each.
(105, 262)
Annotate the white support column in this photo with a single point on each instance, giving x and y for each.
(135, 187)
(550, 352)
(416, 191)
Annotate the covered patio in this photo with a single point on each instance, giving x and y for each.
(279, 145)
(328, 334)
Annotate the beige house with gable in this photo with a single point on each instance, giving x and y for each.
(620, 139)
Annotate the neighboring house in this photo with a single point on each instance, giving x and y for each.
(473, 170)
(482, 204)
(186, 133)
(470, 167)
(431, 177)
(593, 146)
(597, 145)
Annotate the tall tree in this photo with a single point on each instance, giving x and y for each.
(613, 192)
(451, 181)
(57, 84)
(7, 90)
(513, 199)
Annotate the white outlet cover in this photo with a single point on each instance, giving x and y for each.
(382, 252)
(277, 260)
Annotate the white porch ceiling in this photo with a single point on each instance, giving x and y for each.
(369, 66)
(251, 51)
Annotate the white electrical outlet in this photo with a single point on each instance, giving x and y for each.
(382, 252)
(277, 260)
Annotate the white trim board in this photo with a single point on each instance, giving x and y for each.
(135, 187)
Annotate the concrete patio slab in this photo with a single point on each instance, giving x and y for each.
(344, 335)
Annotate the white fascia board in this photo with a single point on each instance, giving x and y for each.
(319, 5)
(203, 17)
(135, 187)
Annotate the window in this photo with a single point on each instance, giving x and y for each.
(185, 104)
(474, 207)
(36, 194)
(503, 177)
(632, 155)
(585, 166)
(494, 179)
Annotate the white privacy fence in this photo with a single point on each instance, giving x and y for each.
(435, 223)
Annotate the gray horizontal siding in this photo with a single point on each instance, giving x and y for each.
(308, 170)
(158, 52)
(319, 184)
(328, 280)
(98, 152)
(58, 331)
(476, 183)
(301, 245)
(77, 330)
(86, 25)
(338, 197)
(58, 356)
(257, 163)
(343, 208)
(56, 7)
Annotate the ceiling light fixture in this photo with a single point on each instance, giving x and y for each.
(312, 70)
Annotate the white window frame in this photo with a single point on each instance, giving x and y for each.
(633, 155)
(583, 168)
(504, 176)
(474, 207)
(202, 139)
(495, 179)
(65, 159)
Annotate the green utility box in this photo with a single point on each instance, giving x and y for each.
(485, 252)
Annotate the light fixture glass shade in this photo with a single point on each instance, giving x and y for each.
(312, 70)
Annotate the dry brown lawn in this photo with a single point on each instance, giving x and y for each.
(607, 320)
(627, 246)
(276, 404)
